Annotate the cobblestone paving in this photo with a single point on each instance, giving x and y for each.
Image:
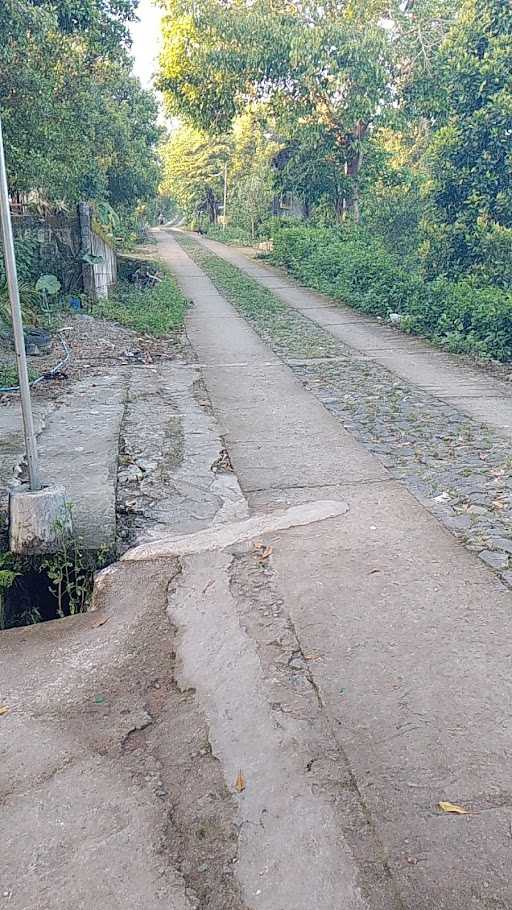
(459, 469)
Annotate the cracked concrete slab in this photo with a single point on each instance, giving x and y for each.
(291, 851)
(111, 796)
(167, 477)
(79, 446)
(217, 538)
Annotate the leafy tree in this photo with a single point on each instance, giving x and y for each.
(193, 172)
(325, 66)
(101, 23)
(251, 188)
(468, 226)
(77, 124)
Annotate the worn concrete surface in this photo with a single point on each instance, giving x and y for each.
(483, 397)
(455, 466)
(171, 475)
(110, 796)
(331, 666)
(74, 812)
(406, 636)
(78, 447)
(12, 445)
(78, 442)
(218, 538)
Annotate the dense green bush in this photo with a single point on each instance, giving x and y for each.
(352, 267)
(230, 234)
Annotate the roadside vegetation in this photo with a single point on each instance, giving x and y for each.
(155, 306)
(464, 316)
(370, 142)
(78, 125)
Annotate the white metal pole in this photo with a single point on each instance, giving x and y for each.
(17, 325)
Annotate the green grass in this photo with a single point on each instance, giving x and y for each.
(154, 311)
(272, 319)
(246, 294)
(9, 375)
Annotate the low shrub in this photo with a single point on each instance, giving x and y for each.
(352, 267)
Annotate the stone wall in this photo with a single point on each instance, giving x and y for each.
(57, 247)
(61, 243)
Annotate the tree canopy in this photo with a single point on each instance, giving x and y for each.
(77, 124)
(326, 69)
(397, 112)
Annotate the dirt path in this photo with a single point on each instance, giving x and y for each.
(358, 674)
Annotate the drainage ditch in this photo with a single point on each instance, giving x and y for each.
(41, 589)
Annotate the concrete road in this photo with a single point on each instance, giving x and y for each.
(480, 396)
(281, 682)
(357, 676)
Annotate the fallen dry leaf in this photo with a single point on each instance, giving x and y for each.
(453, 808)
(3, 709)
(264, 553)
(102, 621)
(240, 782)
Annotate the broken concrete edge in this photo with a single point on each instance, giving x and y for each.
(217, 538)
(38, 520)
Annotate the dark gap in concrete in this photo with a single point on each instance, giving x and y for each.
(37, 589)
(32, 598)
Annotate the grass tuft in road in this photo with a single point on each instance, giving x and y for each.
(155, 311)
(287, 332)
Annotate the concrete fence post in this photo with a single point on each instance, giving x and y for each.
(84, 215)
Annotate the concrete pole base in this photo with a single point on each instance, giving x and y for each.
(38, 521)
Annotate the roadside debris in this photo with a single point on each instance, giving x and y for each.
(452, 808)
(222, 463)
(240, 783)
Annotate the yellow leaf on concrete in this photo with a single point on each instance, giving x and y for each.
(240, 782)
(452, 807)
(3, 709)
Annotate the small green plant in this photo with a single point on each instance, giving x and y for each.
(8, 575)
(71, 569)
(48, 286)
(9, 376)
(66, 570)
(49, 587)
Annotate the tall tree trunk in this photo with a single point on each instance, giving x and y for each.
(353, 171)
